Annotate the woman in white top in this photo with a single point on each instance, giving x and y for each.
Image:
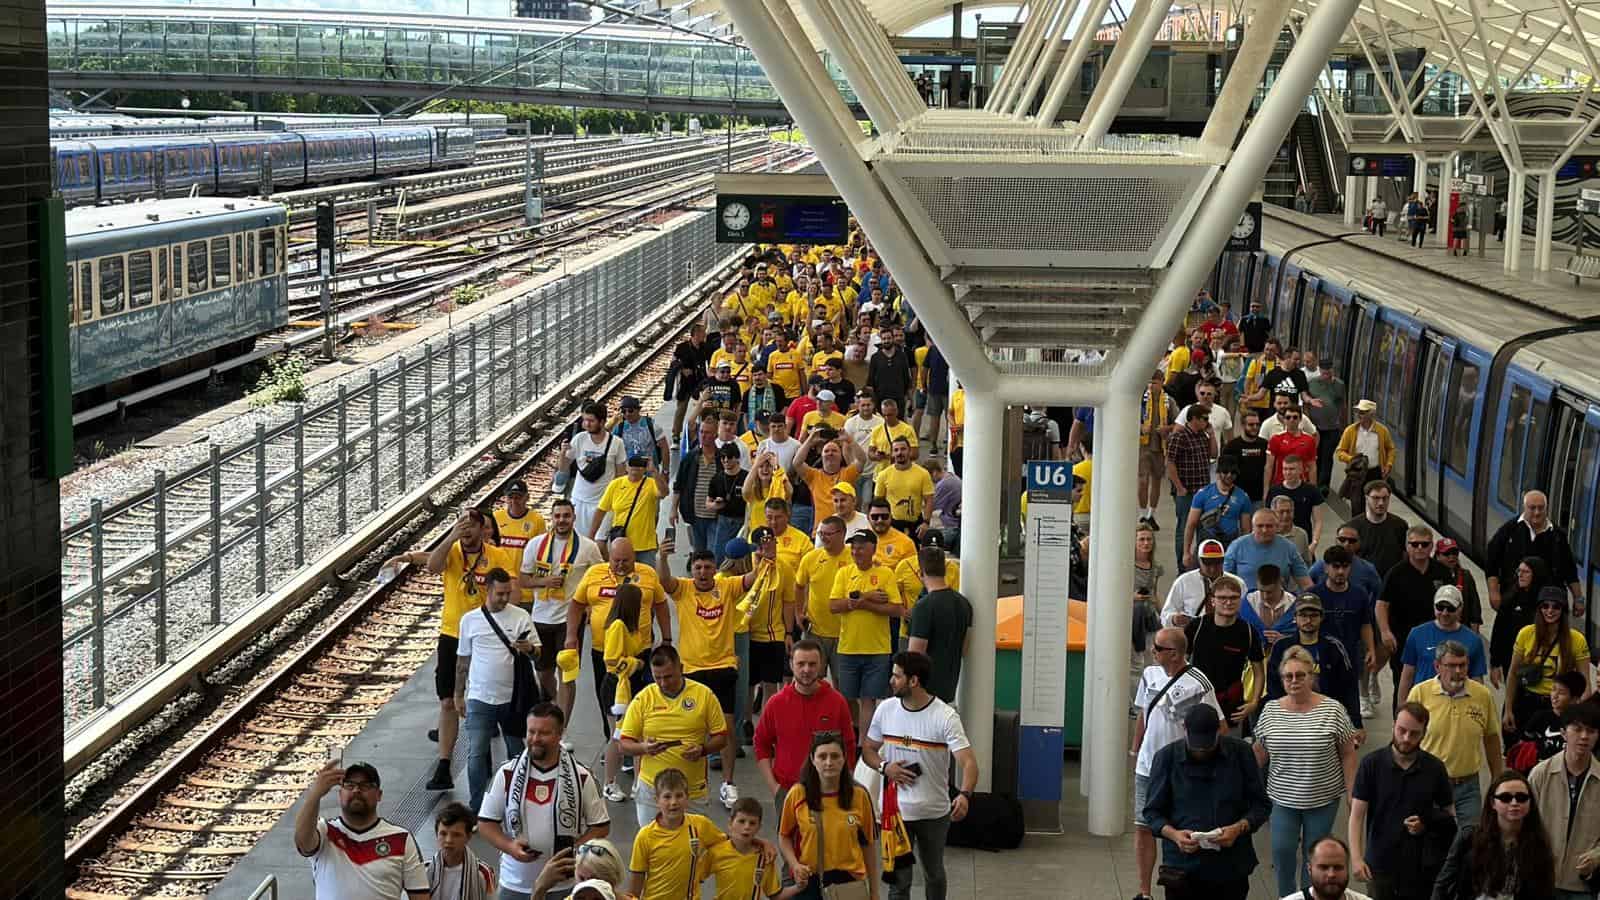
(1308, 739)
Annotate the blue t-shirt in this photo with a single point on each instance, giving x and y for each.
(1085, 414)
(1363, 575)
(1232, 524)
(1424, 638)
(1245, 555)
(1343, 615)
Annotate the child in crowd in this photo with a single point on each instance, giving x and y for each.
(668, 852)
(742, 862)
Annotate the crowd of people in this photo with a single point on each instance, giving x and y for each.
(809, 445)
(807, 450)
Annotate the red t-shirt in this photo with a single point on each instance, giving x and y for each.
(1226, 327)
(796, 413)
(788, 722)
(1284, 445)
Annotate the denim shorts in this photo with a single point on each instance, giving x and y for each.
(864, 675)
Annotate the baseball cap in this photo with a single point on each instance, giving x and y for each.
(1200, 727)
(864, 534)
(1448, 594)
(1308, 599)
(630, 403)
(846, 488)
(1211, 550)
(1445, 545)
(1365, 405)
(761, 535)
(365, 769)
(638, 462)
(825, 394)
(933, 539)
(1553, 594)
(517, 487)
(597, 887)
(725, 365)
(737, 548)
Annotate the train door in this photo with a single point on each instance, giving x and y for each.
(1363, 359)
(1517, 448)
(1424, 470)
(1304, 311)
(1573, 481)
(1401, 337)
(1463, 412)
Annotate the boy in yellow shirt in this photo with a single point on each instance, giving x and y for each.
(739, 863)
(669, 851)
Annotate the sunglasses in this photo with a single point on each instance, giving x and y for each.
(1349, 540)
(1552, 606)
(1516, 797)
(1444, 607)
(1419, 543)
(1160, 649)
(878, 517)
(591, 848)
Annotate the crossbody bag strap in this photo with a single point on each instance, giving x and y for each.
(637, 491)
(1150, 708)
(822, 840)
(498, 631)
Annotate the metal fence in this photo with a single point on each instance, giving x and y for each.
(148, 576)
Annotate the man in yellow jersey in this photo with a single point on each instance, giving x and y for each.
(764, 291)
(786, 366)
(707, 620)
(723, 355)
(792, 544)
(833, 471)
(813, 583)
(673, 724)
(907, 486)
(519, 525)
(958, 425)
(772, 613)
(631, 503)
(1084, 469)
(591, 603)
(893, 544)
(554, 565)
(866, 597)
(824, 414)
(462, 561)
(824, 347)
(880, 441)
(741, 364)
(738, 303)
(908, 572)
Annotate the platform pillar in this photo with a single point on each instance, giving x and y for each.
(1545, 225)
(1091, 651)
(1355, 201)
(1513, 245)
(980, 569)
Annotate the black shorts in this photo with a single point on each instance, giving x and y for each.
(551, 639)
(724, 684)
(768, 659)
(444, 675)
(605, 684)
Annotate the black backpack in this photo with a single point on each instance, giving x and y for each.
(993, 822)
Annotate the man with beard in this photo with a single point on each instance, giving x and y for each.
(1402, 813)
(359, 855)
(805, 707)
(1329, 862)
(554, 565)
(558, 805)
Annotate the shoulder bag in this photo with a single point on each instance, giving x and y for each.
(1533, 673)
(524, 687)
(848, 890)
(595, 469)
(621, 531)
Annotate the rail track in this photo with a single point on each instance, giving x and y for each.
(179, 832)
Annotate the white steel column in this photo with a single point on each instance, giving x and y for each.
(836, 36)
(980, 569)
(1239, 91)
(1513, 245)
(867, 199)
(1091, 649)
(821, 81)
(1545, 225)
(1132, 48)
(1052, 47)
(896, 83)
(1077, 52)
(1017, 61)
(1105, 696)
(1353, 199)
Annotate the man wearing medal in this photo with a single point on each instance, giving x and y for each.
(462, 561)
(553, 565)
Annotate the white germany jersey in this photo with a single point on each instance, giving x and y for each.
(380, 863)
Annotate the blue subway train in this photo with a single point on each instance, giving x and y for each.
(1486, 397)
(105, 169)
(155, 284)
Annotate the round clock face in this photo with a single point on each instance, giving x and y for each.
(1245, 227)
(1358, 163)
(736, 216)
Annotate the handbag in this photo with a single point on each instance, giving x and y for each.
(846, 890)
(1533, 673)
(524, 686)
(621, 531)
(595, 469)
(1172, 878)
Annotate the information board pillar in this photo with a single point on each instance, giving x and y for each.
(1045, 584)
(980, 570)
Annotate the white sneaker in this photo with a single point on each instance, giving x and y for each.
(1368, 708)
(613, 793)
(729, 794)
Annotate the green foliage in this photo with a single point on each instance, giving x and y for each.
(466, 294)
(284, 381)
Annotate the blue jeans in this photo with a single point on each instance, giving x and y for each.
(741, 700)
(1468, 801)
(803, 517)
(483, 721)
(1180, 506)
(1293, 829)
(701, 532)
(726, 529)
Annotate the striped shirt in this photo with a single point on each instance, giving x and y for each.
(928, 736)
(1303, 768)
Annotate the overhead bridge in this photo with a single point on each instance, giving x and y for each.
(621, 66)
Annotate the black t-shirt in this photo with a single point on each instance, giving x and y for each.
(1252, 457)
(844, 394)
(722, 395)
(1383, 543)
(1282, 381)
(1306, 499)
(1409, 594)
(1182, 388)
(943, 617)
(1392, 795)
(1255, 330)
(1544, 729)
(1222, 653)
(731, 489)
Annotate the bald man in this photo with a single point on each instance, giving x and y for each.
(1532, 534)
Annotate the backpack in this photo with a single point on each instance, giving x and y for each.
(993, 823)
(649, 427)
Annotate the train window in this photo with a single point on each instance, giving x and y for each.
(163, 283)
(72, 291)
(1461, 400)
(1535, 444)
(221, 263)
(249, 238)
(177, 270)
(269, 251)
(240, 250)
(112, 287)
(1511, 445)
(1405, 373)
(108, 167)
(195, 256)
(85, 291)
(141, 281)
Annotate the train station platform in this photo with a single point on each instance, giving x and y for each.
(624, 66)
(1073, 863)
(1552, 291)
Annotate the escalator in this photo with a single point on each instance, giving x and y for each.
(1312, 145)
